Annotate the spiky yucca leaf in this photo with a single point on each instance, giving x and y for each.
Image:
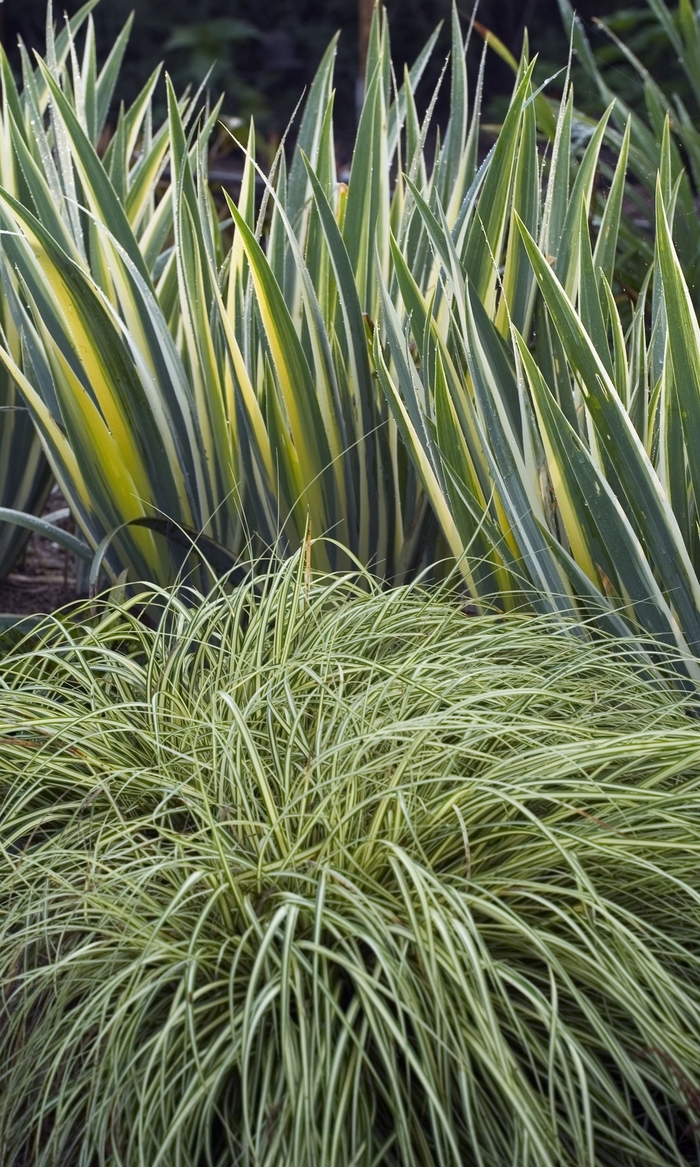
(234, 399)
(41, 178)
(25, 476)
(559, 442)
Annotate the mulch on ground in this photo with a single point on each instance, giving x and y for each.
(43, 579)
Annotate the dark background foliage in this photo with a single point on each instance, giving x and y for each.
(263, 52)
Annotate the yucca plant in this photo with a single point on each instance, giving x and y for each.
(25, 476)
(63, 92)
(239, 398)
(506, 398)
(320, 873)
(235, 398)
(553, 421)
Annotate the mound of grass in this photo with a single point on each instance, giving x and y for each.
(320, 875)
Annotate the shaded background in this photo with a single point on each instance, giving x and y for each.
(264, 52)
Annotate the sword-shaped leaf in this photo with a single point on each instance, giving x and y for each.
(654, 520)
(602, 539)
(314, 475)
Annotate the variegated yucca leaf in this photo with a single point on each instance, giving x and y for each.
(40, 174)
(25, 476)
(555, 437)
(234, 396)
(249, 398)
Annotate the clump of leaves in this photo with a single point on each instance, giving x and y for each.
(319, 873)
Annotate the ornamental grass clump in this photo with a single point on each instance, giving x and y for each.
(315, 873)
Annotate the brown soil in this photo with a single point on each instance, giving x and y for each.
(43, 579)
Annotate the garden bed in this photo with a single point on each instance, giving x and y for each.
(44, 579)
